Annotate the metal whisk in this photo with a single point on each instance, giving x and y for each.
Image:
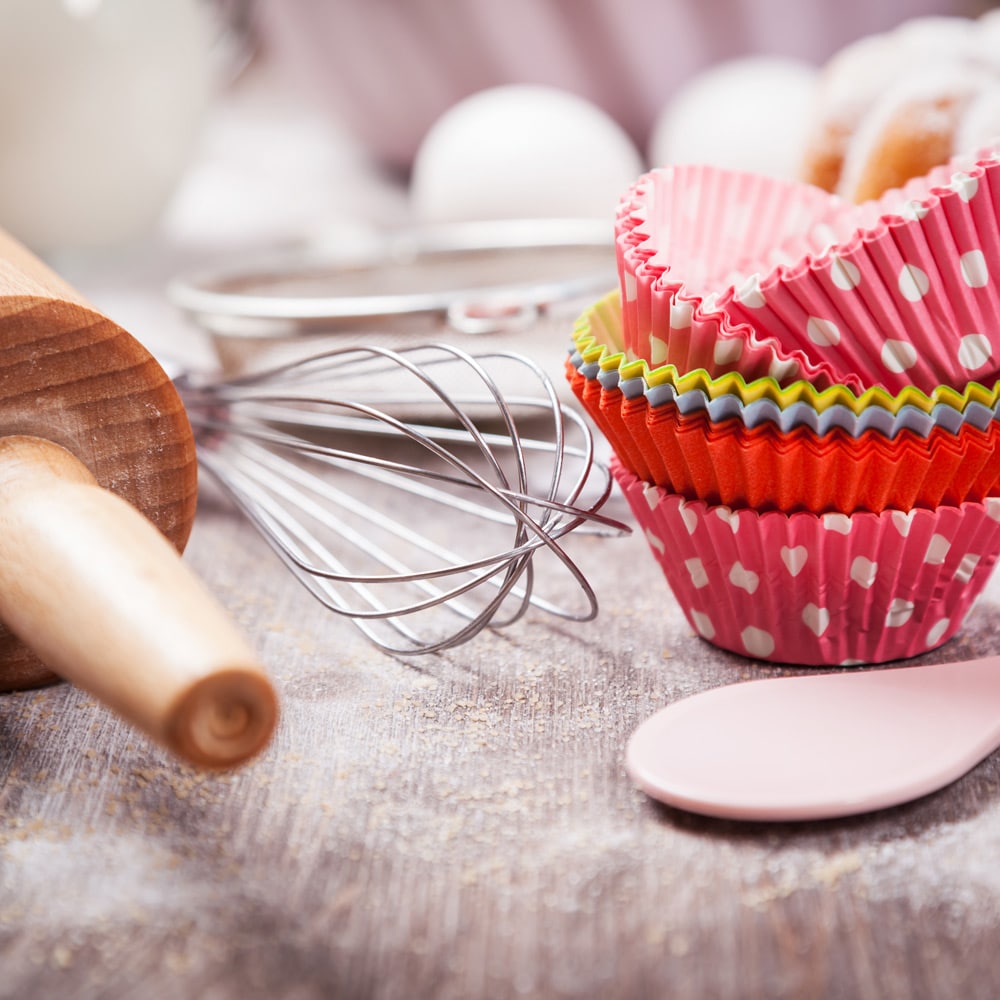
(338, 458)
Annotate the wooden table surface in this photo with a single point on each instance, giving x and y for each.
(462, 826)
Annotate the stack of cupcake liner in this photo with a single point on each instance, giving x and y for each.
(893, 293)
(803, 398)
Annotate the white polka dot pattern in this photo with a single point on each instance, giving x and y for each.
(974, 351)
(913, 283)
(657, 351)
(823, 332)
(827, 589)
(975, 271)
(757, 642)
(900, 293)
(898, 356)
(845, 275)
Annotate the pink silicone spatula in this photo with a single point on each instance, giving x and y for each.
(818, 746)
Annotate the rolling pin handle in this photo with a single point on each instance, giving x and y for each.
(103, 598)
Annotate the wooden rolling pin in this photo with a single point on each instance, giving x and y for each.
(98, 484)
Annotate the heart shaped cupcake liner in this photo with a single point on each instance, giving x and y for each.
(832, 589)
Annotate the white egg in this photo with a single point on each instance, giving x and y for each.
(744, 114)
(522, 151)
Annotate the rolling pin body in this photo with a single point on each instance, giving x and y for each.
(98, 485)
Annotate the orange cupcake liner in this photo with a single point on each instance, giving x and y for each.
(768, 469)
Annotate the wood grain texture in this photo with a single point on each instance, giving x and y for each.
(462, 826)
(102, 597)
(72, 376)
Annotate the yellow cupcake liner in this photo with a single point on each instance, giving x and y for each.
(598, 339)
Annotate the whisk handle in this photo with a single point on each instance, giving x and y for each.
(105, 600)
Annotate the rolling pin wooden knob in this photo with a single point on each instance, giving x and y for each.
(98, 485)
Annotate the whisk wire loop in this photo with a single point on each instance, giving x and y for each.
(428, 426)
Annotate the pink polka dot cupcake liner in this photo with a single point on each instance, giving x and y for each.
(681, 230)
(832, 589)
(737, 272)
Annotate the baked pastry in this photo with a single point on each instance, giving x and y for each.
(891, 106)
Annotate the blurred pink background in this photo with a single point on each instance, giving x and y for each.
(387, 69)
